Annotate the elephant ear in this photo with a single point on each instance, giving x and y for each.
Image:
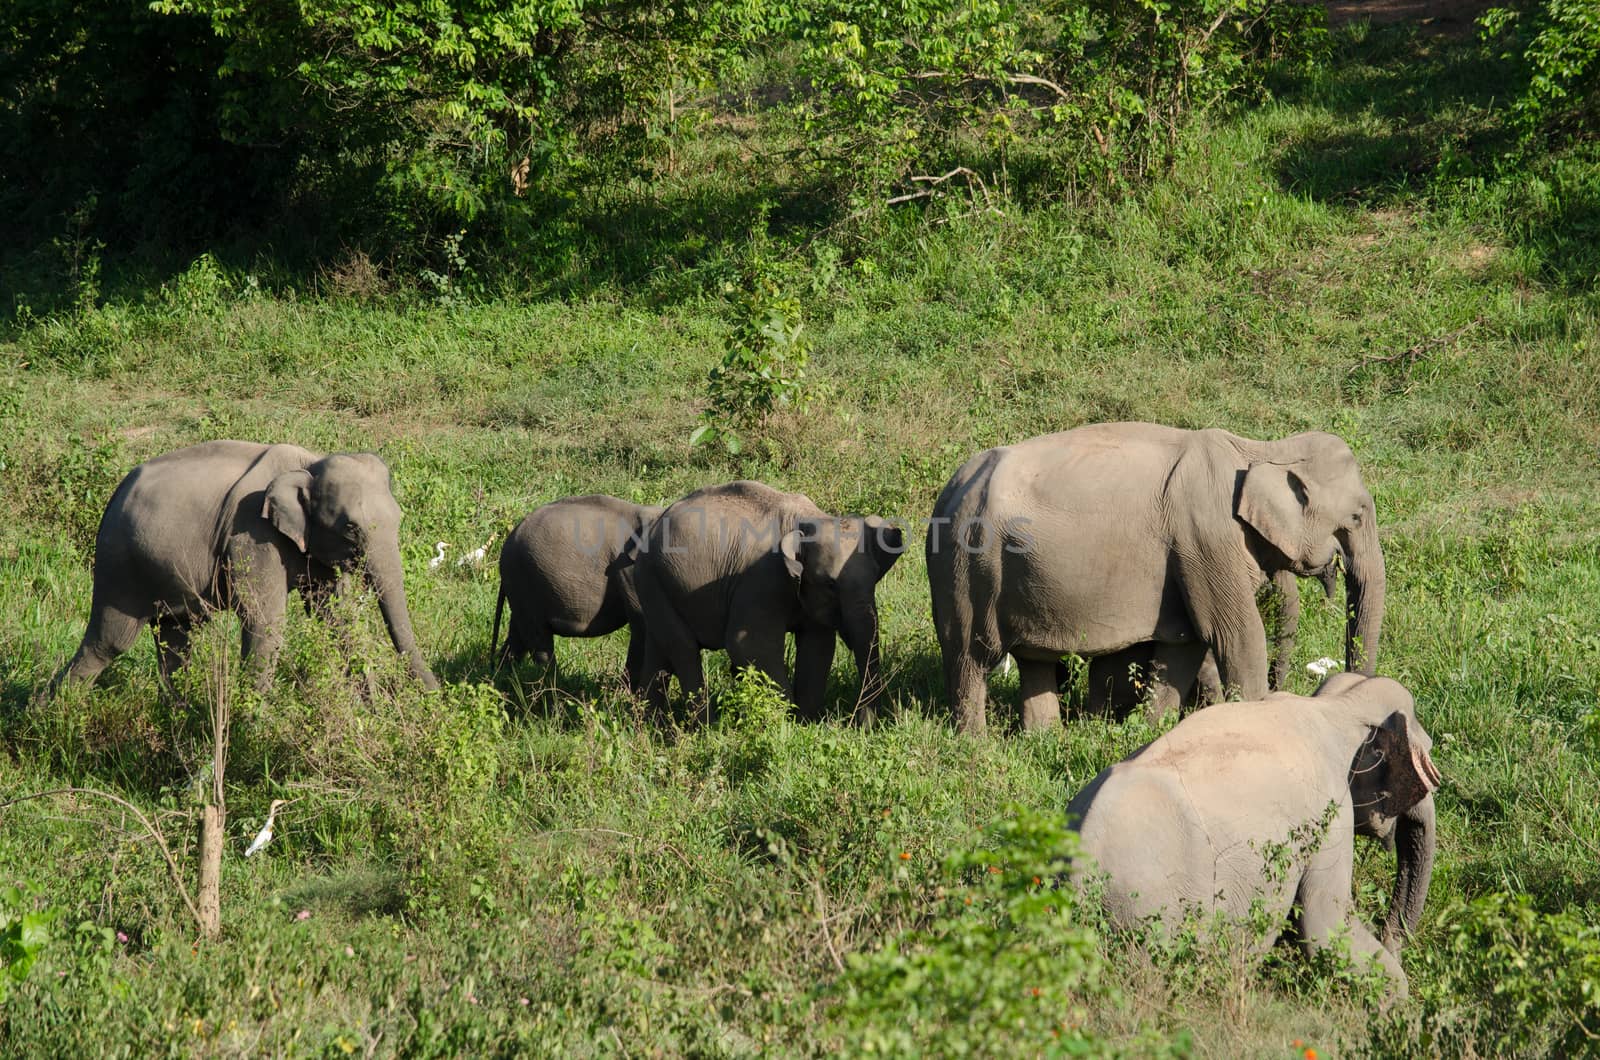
(1273, 500)
(883, 541)
(1392, 772)
(287, 505)
(793, 547)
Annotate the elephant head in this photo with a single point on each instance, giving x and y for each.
(1305, 499)
(836, 564)
(1392, 779)
(341, 512)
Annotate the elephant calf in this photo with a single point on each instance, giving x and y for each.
(560, 570)
(236, 526)
(1247, 803)
(741, 565)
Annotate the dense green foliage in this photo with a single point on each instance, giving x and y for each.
(1556, 46)
(521, 865)
(318, 124)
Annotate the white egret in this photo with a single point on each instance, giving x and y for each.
(1323, 666)
(264, 836)
(438, 555)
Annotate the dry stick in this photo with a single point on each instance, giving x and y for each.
(155, 833)
(822, 922)
(1412, 353)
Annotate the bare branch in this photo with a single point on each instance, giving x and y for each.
(155, 833)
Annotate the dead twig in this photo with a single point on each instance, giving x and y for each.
(1411, 354)
(822, 922)
(155, 833)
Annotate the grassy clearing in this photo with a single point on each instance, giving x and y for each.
(563, 880)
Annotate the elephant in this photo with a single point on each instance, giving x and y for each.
(738, 566)
(560, 572)
(1247, 803)
(231, 525)
(1110, 535)
(1117, 682)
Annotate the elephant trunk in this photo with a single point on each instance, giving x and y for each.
(860, 634)
(383, 571)
(1364, 587)
(1414, 848)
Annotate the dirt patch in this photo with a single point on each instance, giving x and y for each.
(1443, 17)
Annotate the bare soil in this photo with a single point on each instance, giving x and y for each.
(1445, 17)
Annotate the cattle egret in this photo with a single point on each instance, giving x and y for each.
(1323, 666)
(476, 556)
(264, 836)
(438, 555)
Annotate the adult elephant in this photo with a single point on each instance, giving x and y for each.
(738, 566)
(1246, 809)
(235, 526)
(1107, 536)
(561, 572)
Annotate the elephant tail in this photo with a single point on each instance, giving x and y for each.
(494, 638)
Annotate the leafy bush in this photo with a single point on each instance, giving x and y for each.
(1556, 50)
(762, 372)
(1533, 980)
(1005, 965)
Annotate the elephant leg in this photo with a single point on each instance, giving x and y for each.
(1208, 683)
(1041, 700)
(1116, 681)
(968, 682)
(1286, 587)
(1224, 614)
(1173, 669)
(1324, 901)
(541, 644)
(173, 634)
(261, 635)
(813, 659)
(634, 673)
(762, 649)
(671, 645)
(113, 629)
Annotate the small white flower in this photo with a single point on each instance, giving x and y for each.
(1323, 666)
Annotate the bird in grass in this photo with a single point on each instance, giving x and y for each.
(264, 836)
(1323, 666)
(438, 555)
(476, 556)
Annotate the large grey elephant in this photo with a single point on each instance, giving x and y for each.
(1249, 808)
(1107, 536)
(560, 570)
(235, 526)
(737, 567)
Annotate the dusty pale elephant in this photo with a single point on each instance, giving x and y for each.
(1097, 539)
(739, 566)
(235, 526)
(1249, 808)
(560, 570)
(1122, 681)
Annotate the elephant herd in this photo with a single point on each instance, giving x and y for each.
(1134, 545)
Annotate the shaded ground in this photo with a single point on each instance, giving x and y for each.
(1454, 17)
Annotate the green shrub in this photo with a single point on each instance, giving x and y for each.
(1005, 965)
(1555, 50)
(1502, 979)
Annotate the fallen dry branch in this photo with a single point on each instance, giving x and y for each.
(1412, 354)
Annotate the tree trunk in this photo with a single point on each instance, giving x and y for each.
(210, 898)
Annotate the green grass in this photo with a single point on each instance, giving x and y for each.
(572, 881)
